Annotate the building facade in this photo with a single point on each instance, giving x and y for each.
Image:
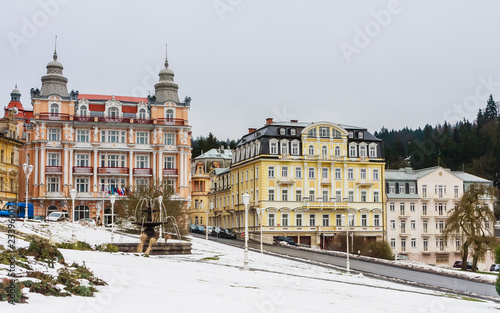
(201, 168)
(102, 144)
(418, 204)
(302, 179)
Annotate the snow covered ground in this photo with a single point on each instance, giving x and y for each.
(211, 280)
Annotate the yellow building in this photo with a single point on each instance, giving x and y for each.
(307, 179)
(201, 168)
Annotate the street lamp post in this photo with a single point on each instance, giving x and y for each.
(246, 201)
(349, 220)
(200, 207)
(72, 193)
(27, 171)
(160, 201)
(112, 198)
(259, 215)
(206, 230)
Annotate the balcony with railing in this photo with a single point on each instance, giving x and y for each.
(53, 169)
(172, 121)
(113, 170)
(54, 116)
(83, 118)
(83, 169)
(170, 172)
(143, 121)
(143, 171)
(113, 119)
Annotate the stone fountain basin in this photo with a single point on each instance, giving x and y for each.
(160, 248)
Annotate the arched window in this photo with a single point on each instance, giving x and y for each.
(83, 111)
(324, 151)
(51, 209)
(54, 108)
(113, 112)
(311, 150)
(337, 151)
(169, 113)
(81, 211)
(142, 113)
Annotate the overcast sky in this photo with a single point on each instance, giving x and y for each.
(366, 63)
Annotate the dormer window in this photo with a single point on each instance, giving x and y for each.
(350, 134)
(83, 111)
(360, 134)
(142, 113)
(324, 132)
(293, 132)
(282, 131)
(169, 113)
(352, 151)
(113, 112)
(312, 132)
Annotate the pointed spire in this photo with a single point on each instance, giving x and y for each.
(166, 55)
(55, 50)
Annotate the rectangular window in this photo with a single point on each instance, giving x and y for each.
(82, 184)
(324, 131)
(455, 191)
(352, 151)
(363, 195)
(270, 171)
(392, 207)
(142, 161)
(312, 219)
(271, 219)
(271, 195)
(311, 172)
(113, 160)
(424, 227)
(413, 224)
(402, 189)
(53, 159)
(413, 243)
(362, 173)
(403, 244)
(312, 195)
(376, 220)
(402, 208)
(350, 173)
(324, 172)
(295, 148)
(373, 151)
(412, 207)
(375, 174)
(403, 227)
(284, 195)
(142, 138)
(338, 220)
(424, 191)
(298, 219)
(376, 197)
(53, 184)
(169, 139)
(54, 134)
(284, 219)
(82, 159)
(325, 195)
(393, 225)
(412, 189)
(364, 220)
(457, 244)
(82, 135)
(338, 196)
(298, 195)
(425, 244)
(326, 220)
(351, 196)
(273, 148)
(338, 174)
(392, 189)
(424, 208)
(284, 171)
(169, 162)
(284, 148)
(298, 172)
(393, 243)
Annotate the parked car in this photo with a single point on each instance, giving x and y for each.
(494, 267)
(209, 229)
(401, 257)
(458, 264)
(216, 232)
(230, 234)
(57, 216)
(192, 228)
(200, 229)
(87, 221)
(288, 240)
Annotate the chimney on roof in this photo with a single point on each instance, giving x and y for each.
(251, 130)
(294, 121)
(269, 121)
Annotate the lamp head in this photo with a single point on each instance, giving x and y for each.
(72, 193)
(112, 198)
(201, 205)
(246, 198)
(25, 167)
(160, 199)
(211, 205)
(30, 168)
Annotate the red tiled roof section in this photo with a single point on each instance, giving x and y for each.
(21, 112)
(119, 98)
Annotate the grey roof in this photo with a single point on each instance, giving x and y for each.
(218, 171)
(399, 175)
(226, 154)
(469, 178)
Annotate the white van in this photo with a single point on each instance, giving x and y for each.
(57, 216)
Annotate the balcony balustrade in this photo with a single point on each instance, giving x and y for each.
(54, 116)
(170, 172)
(83, 118)
(112, 170)
(143, 171)
(172, 121)
(53, 169)
(83, 169)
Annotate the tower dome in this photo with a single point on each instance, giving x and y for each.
(15, 95)
(54, 83)
(166, 89)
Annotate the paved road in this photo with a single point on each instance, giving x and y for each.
(457, 284)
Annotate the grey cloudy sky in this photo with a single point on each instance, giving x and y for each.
(367, 63)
